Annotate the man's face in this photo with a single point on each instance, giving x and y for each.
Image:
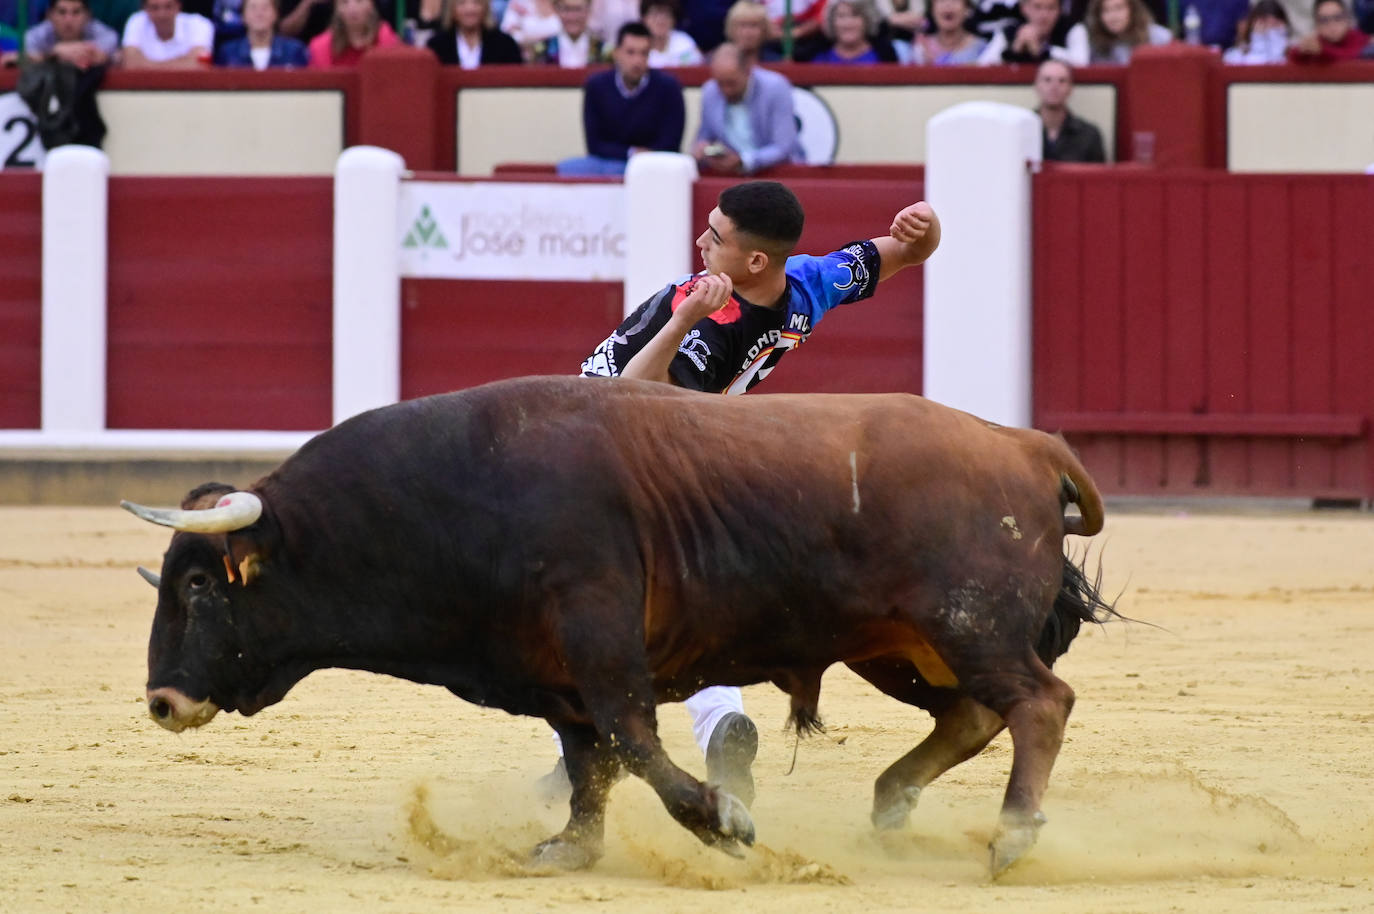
(69, 19)
(259, 15)
(1040, 14)
(163, 15)
(632, 58)
(1053, 83)
(721, 250)
(1333, 22)
(732, 78)
(573, 15)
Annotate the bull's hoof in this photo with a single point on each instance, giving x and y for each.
(560, 853)
(734, 828)
(892, 808)
(1015, 835)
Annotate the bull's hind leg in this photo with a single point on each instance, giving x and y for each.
(963, 727)
(1035, 704)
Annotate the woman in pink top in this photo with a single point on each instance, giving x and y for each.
(355, 29)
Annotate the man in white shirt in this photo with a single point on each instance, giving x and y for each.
(161, 36)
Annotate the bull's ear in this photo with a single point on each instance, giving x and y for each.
(249, 551)
(205, 495)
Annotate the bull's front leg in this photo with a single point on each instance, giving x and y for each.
(592, 770)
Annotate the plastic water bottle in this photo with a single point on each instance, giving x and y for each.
(1192, 25)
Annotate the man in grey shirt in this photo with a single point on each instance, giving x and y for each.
(70, 33)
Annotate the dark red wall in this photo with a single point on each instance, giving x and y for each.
(21, 311)
(1205, 332)
(220, 304)
(459, 333)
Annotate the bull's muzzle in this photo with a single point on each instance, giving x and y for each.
(173, 710)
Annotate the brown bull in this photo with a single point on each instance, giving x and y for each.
(580, 550)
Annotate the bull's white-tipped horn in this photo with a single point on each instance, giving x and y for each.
(152, 577)
(232, 512)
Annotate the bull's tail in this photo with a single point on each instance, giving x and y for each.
(1077, 487)
(1079, 600)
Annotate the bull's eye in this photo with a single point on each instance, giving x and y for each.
(198, 581)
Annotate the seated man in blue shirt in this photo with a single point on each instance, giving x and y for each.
(628, 109)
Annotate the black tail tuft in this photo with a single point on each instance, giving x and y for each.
(805, 721)
(1079, 600)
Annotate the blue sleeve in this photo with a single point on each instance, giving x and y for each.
(782, 130)
(672, 115)
(839, 278)
(599, 133)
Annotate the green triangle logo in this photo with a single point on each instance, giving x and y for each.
(425, 232)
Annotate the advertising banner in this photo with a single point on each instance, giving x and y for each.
(491, 230)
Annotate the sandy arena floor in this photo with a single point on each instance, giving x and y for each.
(1221, 762)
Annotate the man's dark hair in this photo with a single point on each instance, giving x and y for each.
(632, 28)
(766, 210)
(85, 4)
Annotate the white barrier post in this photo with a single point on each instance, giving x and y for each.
(75, 226)
(658, 223)
(367, 280)
(978, 286)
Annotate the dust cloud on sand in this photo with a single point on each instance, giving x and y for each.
(1218, 762)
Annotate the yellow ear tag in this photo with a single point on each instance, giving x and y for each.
(248, 569)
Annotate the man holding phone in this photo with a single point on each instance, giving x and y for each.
(747, 121)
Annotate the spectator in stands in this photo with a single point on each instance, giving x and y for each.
(261, 47)
(467, 38)
(704, 20)
(1111, 31)
(628, 109)
(1219, 19)
(530, 22)
(747, 120)
(357, 28)
(70, 33)
(306, 19)
(1335, 39)
(950, 43)
(574, 45)
(1067, 138)
(668, 47)
(607, 16)
(161, 36)
(746, 27)
(852, 27)
(1262, 36)
(1041, 35)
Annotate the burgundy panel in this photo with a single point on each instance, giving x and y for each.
(219, 303)
(874, 345)
(1143, 267)
(458, 334)
(21, 312)
(1204, 294)
(1353, 362)
(1185, 343)
(1057, 338)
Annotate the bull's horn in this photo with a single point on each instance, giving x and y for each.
(152, 577)
(233, 512)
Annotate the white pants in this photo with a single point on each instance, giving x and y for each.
(707, 707)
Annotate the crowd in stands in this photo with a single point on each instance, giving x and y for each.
(579, 33)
